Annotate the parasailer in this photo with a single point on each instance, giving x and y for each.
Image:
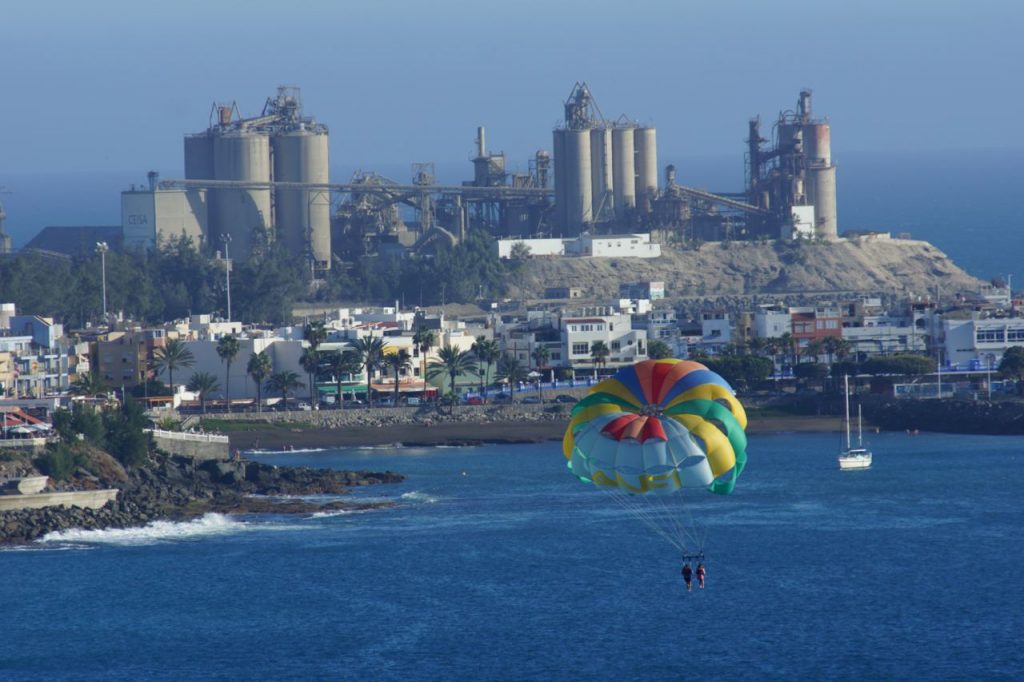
(654, 430)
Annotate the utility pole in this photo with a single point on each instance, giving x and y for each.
(101, 249)
(226, 238)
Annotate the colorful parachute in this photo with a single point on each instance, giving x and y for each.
(658, 427)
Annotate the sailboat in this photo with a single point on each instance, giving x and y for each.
(853, 457)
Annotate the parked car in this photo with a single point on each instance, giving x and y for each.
(412, 400)
(474, 400)
(531, 399)
(304, 406)
(386, 402)
(563, 398)
(502, 399)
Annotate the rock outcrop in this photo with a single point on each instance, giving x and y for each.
(868, 265)
(177, 487)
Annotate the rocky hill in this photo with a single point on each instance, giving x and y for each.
(869, 265)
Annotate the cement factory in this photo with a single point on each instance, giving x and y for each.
(249, 181)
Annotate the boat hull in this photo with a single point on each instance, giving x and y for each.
(854, 461)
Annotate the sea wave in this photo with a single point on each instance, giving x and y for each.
(417, 496)
(152, 533)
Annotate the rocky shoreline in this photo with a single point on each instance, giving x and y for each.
(177, 488)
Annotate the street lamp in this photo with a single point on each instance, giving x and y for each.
(226, 238)
(102, 248)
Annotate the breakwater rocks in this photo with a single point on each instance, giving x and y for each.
(178, 487)
(948, 416)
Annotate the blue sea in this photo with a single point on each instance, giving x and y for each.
(496, 564)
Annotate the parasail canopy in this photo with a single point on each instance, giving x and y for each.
(656, 427)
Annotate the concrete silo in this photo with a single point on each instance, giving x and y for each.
(645, 142)
(602, 185)
(578, 189)
(243, 156)
(820, 183)
(302, 218)
(624, 168)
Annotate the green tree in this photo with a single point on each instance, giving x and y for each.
(1012, 363)
(811, 372)
(340, 364)
(88, 384)
(284, 382)
(59, 461)
(450, 363)
(259, 368)
(424, 339)
(541, 356)
(487, 352)
(203, 383)
(174, 355)
(126, 440)
(658, 349)
(399, 361)
(315, 333)
(511, 371)
(227, 348)
(599, 353)
(370, 351)
(310, 362)
(741, 371)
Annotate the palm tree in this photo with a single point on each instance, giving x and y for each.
(787, 344)
(814, 349)
(204, 384)
(399, 362)
(599, 351)
(315, 333)
(340, 364)
(511, 371)
(541, 355)
(259, 368)
(424, 340)
(284, 382)
(172, 356)
(487, 351)
(227, 349)
(370, 351)
(310, 362)
(451, 362)
(87, 384)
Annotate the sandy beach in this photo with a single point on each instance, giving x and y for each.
(467, 433)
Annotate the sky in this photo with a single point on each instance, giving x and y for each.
(113, 86)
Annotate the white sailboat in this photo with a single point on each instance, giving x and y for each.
(853, 457)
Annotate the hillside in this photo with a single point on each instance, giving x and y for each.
(735, 268)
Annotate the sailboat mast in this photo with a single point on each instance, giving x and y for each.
(860, 428)
(846, 393)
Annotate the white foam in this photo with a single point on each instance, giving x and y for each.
(335, 512)
(152, 533)
(416, 496)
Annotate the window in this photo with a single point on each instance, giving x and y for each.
(616, 346)
(580, 349)
(989, 335)
(1015, 334)
(831, 324)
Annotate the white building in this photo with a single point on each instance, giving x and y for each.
(980, 343)
(716, 330)
(772, 322)
(587, 246)
(580, 332)
(153, 216)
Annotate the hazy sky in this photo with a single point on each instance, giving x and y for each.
(110, 85)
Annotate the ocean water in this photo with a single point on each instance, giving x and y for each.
(496, 564)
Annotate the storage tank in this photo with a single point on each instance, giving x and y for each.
(602, 186)
(623, 169)
(817, 144)
(821, 193)
(199, 166)
(579, 194)
(302, 218)
(645, 141)
(241, 156)
(558, 141)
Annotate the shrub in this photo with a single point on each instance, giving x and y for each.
(59, 461)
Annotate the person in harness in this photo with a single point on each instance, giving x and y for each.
(700, 575)
(687, 573)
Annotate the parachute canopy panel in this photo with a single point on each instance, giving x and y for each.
(656, 427)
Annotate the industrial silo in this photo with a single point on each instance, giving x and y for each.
(602, 186)
(579, 195)
(821, 178)
(623, 168)
(199, 166)
(645, 142)
(302, 218)
(242, 156)
(558, 141)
